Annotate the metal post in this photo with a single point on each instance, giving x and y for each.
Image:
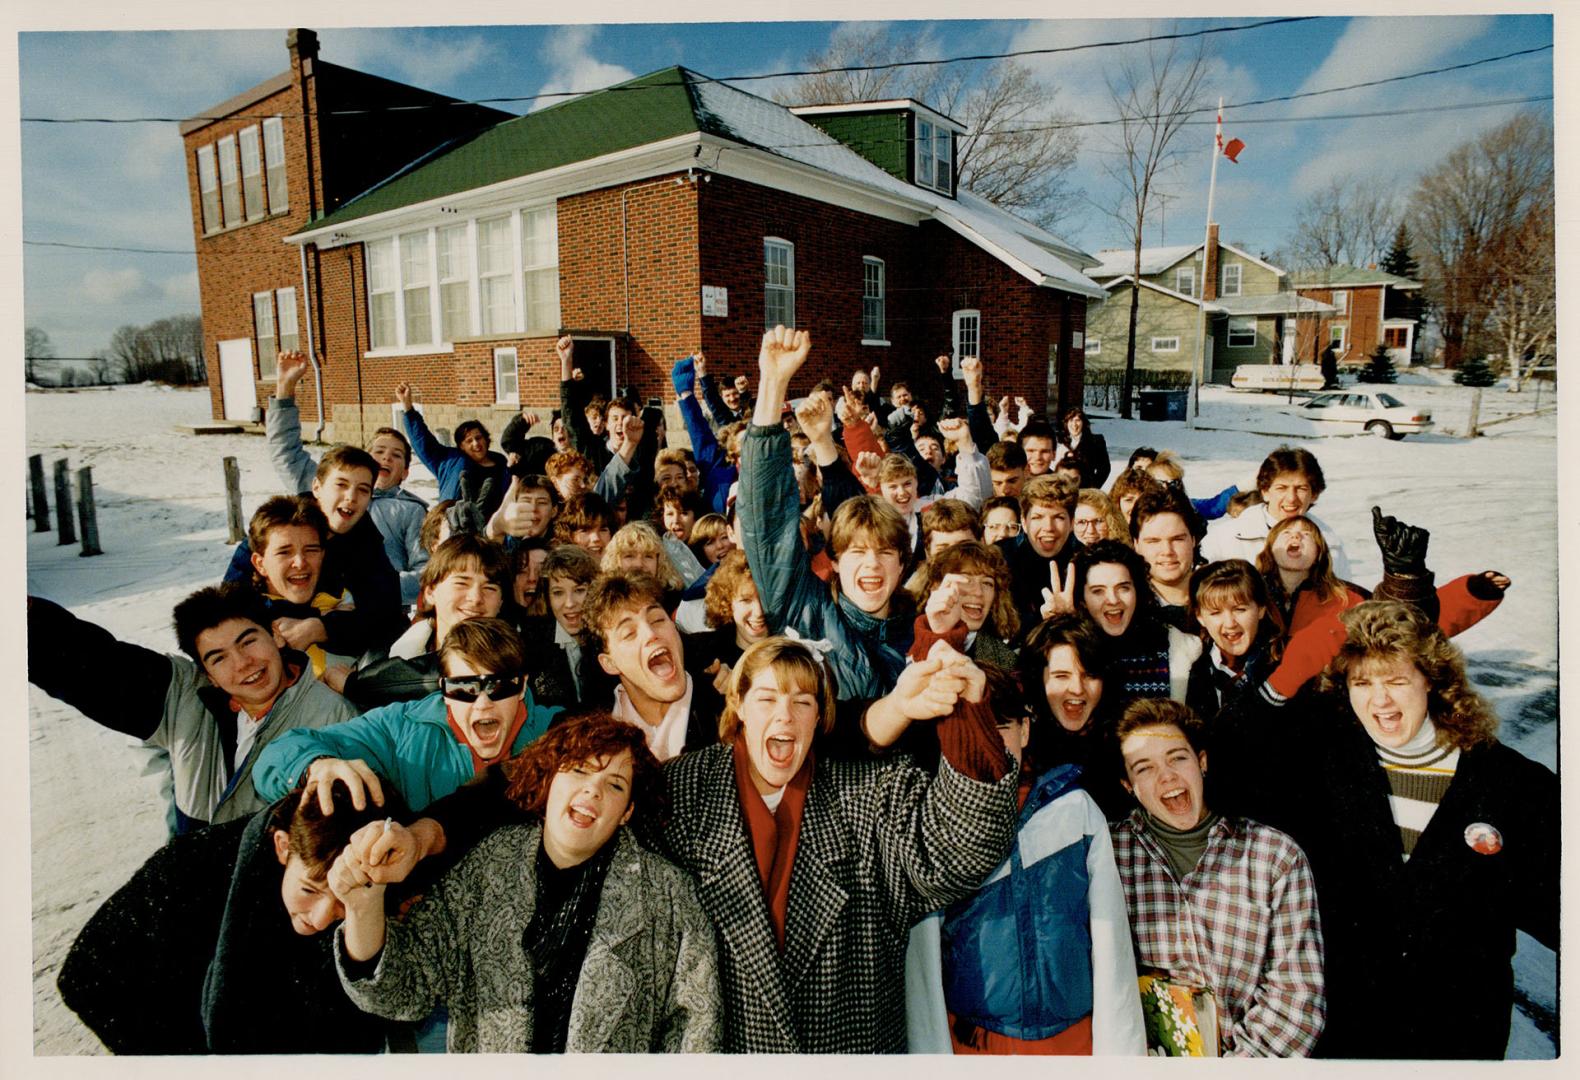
(233, 502)
(86, 515)
(35, 471)
(67, 530)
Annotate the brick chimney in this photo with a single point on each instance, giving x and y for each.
(302, 44)
(1209, 270)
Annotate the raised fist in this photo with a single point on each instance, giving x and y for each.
(1403, 546)
(783, 353)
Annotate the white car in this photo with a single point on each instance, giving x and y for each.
(1373, 411)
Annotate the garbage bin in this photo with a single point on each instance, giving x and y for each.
(1175, 405)
(1153, 404)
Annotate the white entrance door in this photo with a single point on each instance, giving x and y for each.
(237, 386)
(1289, 342)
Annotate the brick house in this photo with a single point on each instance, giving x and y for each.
(646, 220)
(1253, 316)
(1371, 308)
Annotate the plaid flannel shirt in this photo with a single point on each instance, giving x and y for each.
(1243, 924)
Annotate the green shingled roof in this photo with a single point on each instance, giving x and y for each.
(1346, 276)
(648, 109)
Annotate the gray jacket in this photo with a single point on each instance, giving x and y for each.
(649, 983)
(396, 512)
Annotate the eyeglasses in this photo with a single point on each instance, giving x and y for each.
(468, 688)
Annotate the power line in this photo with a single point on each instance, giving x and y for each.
(850, 68)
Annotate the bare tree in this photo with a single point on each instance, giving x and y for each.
(168, 350)
(1155, 95)
(1464, 210)
(1351, 220)
(1014, 152)
(101, 367)
(1523, 312)
(36, 346)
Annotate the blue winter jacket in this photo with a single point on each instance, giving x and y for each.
(447, 463)
(1043, 944)
(409, 744)
(869, 653)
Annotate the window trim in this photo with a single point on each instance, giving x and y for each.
(1242, 320)
(881, 326)
(275, 125)
(393, 287)
(1341, 300)
(1191, 291)
(465, 279)
(210, 213)
(402, 288)
(1343, 332)
(553, 245)
(1171, 349)
(220, 148)
(500, 352)
(285, 301)
(1239, 276)
(958, 351)
(263, 306)
(788, 290)
(253, 180)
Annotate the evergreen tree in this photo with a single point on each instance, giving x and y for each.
(1379, 369)
(1475, 371)
(1400, 261)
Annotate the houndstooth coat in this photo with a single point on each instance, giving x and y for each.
(881, 844)
(649, 982)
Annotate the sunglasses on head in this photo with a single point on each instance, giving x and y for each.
(472, 687)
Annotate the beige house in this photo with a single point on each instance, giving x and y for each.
(1252, 314)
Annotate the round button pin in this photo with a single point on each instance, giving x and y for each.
(1483, 838)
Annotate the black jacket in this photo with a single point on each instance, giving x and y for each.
(1028, 575)
(1092, 455)
(196, 954)
(1418, 952)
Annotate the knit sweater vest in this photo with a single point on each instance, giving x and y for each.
(1419, 773)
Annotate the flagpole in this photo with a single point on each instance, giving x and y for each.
(1196, 374)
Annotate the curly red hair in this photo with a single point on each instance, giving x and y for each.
(589, 737)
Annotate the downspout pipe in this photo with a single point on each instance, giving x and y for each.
(312, 353)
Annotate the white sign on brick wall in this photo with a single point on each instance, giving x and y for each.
(716, 301)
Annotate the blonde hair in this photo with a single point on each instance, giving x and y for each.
(1387, 631)
(640, 538)
(789, 659)
(1113, 522)
(896, 467)
(1168, 462)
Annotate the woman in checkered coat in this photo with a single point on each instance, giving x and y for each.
(814, 961)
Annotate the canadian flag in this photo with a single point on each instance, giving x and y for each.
(1232, 148)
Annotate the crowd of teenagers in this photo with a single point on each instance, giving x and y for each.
(872, 722)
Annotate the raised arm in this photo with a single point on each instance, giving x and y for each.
(117, 684)
(982, 432)
(428, 449)
(283, 426)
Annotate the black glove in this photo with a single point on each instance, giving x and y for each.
(1403, 546)
(467, 516)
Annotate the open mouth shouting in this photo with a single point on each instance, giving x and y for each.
(582, 814)
(662, 665)
(344, 517)
(1113, 617)
(1179, 803)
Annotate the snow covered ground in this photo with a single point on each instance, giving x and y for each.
(1489, 503)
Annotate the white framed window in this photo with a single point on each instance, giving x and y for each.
(285, 301)
(495, 273)
(274, 163)
(1231, 280)
(1094, 346)
(872, 301)
(1165, 344)
(1242, 332)
(1185, 280)
(1341, 300)
(944, 160)
(507, 385)
(1336, 335)
(383, 327)
(778, 282)
(455, 283)
(540, 268)
(416, 304)
(263, 330)
(251, 173)
(208, 188)
(229, 180)
(924, 153)
(967, 335)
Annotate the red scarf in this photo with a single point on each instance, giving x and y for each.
(479, 764)
(774, 838)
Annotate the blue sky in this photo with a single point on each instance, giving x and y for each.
(124, 184)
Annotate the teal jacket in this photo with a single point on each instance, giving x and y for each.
(409, 744)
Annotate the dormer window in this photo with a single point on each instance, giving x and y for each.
(935, 159)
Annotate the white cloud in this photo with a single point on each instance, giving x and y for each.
(429, 60)
(112, 286)
(181, 288)
(1371, 48)
(571, 66)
